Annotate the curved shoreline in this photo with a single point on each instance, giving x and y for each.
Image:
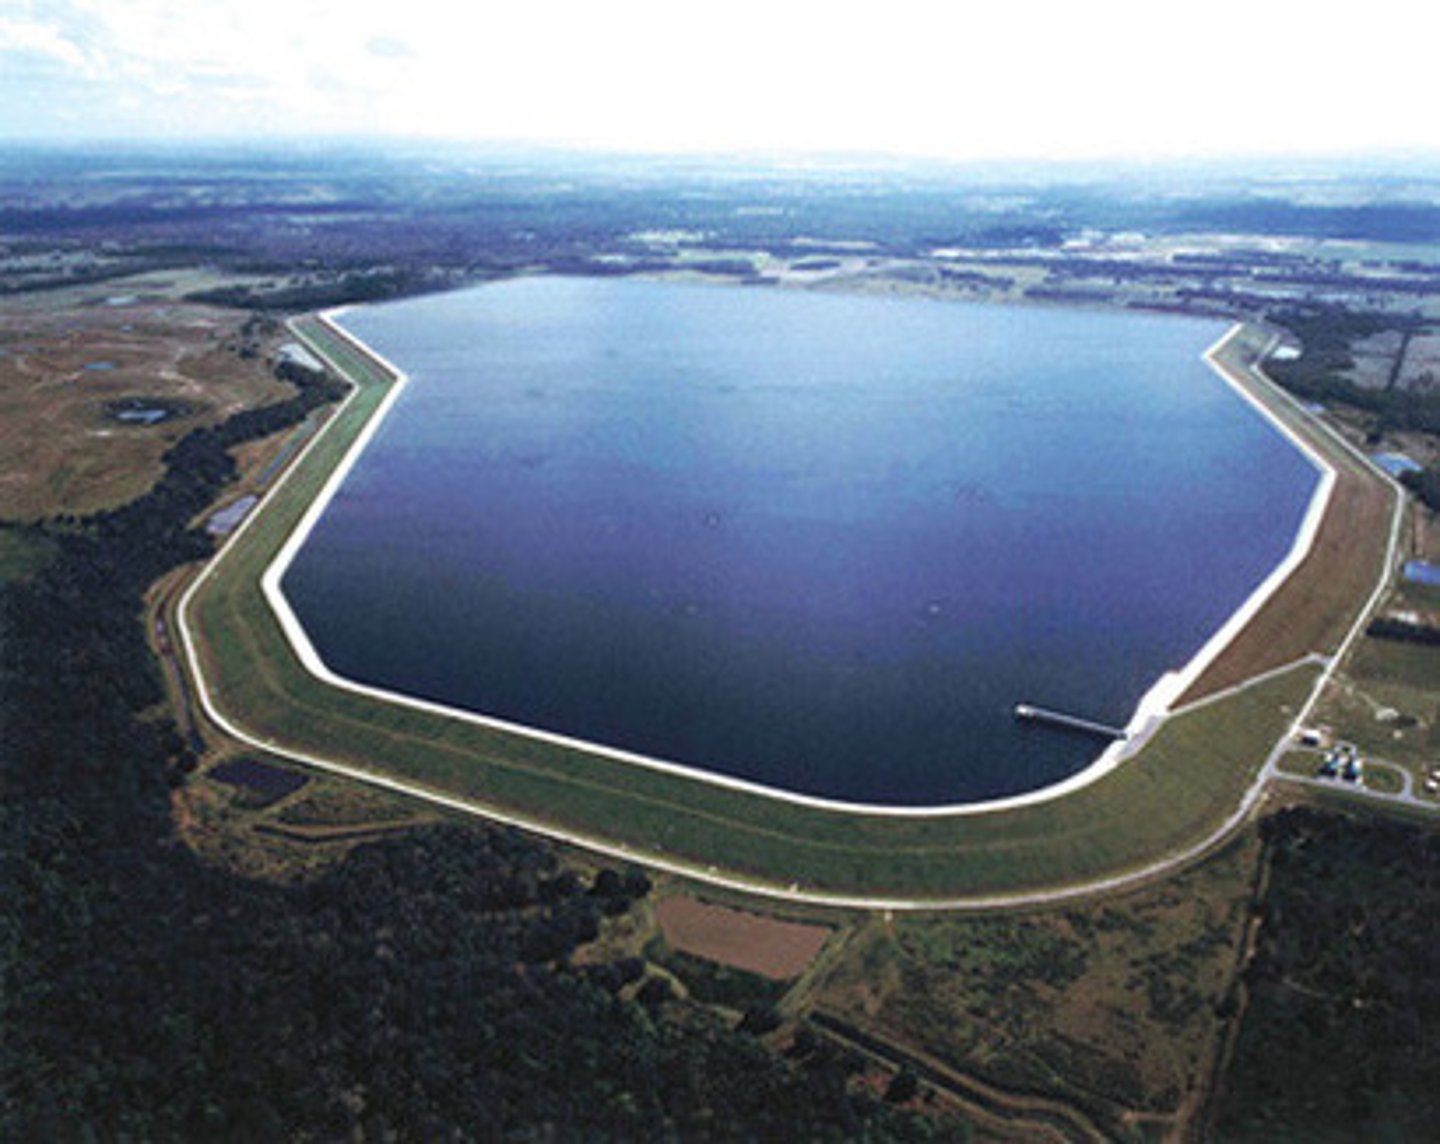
(1201, 776)
(1155, 706)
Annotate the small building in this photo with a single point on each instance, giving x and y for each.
(292, 355)
(1421, 572)
(1396, 464)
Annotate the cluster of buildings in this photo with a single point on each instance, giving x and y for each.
(1343, 762)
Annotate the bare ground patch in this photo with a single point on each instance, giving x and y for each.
(772, 948)
(1375, 359)
(1421, 368)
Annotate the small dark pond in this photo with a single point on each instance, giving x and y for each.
(269, 783)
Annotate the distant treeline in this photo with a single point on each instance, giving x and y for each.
(1326, 335)
(348, 289)
(42, 220)
(1373, 222)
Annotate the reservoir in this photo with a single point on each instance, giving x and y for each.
(820, 542)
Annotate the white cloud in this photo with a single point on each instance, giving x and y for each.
(41, 41)
(909, 76)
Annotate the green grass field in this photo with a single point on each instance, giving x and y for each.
(1107, 1006)
(1386, 780)
(1423, 596)
(1403, 677)
(1186, 782)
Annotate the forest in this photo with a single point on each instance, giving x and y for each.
(1338, 1038)
(1326, 333)
(422, 989)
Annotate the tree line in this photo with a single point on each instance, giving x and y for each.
(423, 989)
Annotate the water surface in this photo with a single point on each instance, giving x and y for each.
(820, 542)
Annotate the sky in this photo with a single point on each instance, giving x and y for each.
(943, 78)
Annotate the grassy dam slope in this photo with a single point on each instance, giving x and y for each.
(1178, 795)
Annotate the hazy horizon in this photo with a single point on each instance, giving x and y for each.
(1116, 81)
(1406, 172)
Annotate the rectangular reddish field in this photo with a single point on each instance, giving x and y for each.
(771, 948)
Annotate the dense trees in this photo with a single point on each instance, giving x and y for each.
(1426, 486)
(1326, 334)
(1338, 1040)
(1390, 628)
(423, 989)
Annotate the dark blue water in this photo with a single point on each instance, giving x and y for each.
(821, 542)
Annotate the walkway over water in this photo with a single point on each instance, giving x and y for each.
(1035, 714)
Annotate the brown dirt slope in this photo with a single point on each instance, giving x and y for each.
(1315, 607)
(772, 948)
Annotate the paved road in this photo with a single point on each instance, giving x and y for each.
(1407, 795)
